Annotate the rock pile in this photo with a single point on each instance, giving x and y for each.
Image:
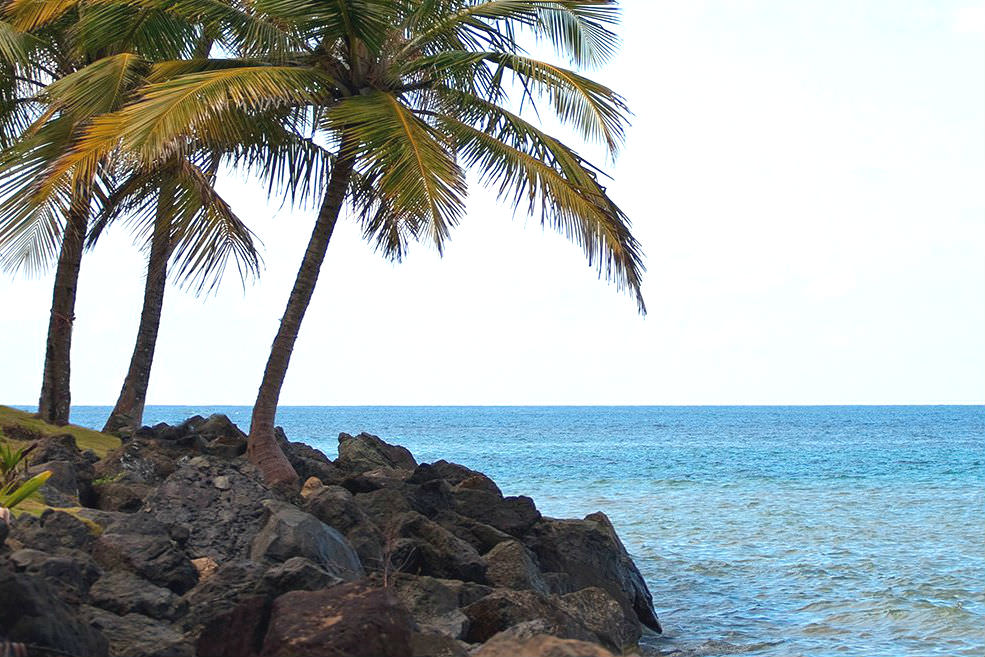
(172, 547)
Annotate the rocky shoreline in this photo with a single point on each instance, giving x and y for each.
(171, 546)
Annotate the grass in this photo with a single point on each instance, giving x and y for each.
(100, 443)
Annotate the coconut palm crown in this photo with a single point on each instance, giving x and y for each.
(409, 95)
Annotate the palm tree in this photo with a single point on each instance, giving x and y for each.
(410, 94)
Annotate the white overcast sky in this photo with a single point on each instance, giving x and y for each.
(808, 181)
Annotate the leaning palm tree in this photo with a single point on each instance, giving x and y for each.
(410, 94)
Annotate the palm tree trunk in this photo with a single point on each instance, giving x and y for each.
(55, 401)
(262, 447)
(129, 409)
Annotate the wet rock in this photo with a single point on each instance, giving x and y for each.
(349, 620)
(221, 520)
(135, 635)
(122, 592)
(511, 565)
(590, 553)
(602, 615)
(369, 452)
(33, 613)
(504, 608)
(290, 532)
(237, 633)
(541, 645)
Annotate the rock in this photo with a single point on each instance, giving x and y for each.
(513, 515)
(70, 573)
(437, 552)
(122, 592)
(334, 506)
(504, 608)
(602, 615)
(311, 486)
(457, 475)
(297, 573)
(33, 613)
(221, 593)
(428, 644)
(217, 426)
(237, 633)
(541, 645)
(368, 452)
(221, 520)
(205, 567)
(137, 461)
(227, 447)
(54, 448)
(118, 496)
(383, 505)
(477, 534)
(590, 553)
(135, 635)
(349, 620)
(309, 462)
(4, 529)
(290, 532)
(436, 604)
(511, 565)
(154, 557)
(53, 532)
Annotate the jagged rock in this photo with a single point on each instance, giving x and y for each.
(297, 573)
(205, 566)
(455, 474)
(216, 426)
(72, 471)
(153, 556)
(221, 593)
(513, 515)
(437, 552)
(591, 554)
(138, 461)
(136, 635)
(52, 532)
(237, 633)
(383, 505)
(310, 462)
(436, 603)
(337, 508)
(504, 608)
(221, 522)
(602, 615)
(122, 592)
(33, 613)
(290, 532)
(479, 535)
(541, 645)
(120, 496)
(369, 452)
(511, 565)
(349, 620)
(70, 573)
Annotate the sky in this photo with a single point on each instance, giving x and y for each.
(807, 180)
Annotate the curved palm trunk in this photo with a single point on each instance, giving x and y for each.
(55, 401)
(129, 409)
(262, 447)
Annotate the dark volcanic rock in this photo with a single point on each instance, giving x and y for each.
(511, 565)
(436, 603)
(513, 515)
(504, 608)
(221, 593)
(368, 452)
(590, 553)
(437, 552)
(153, 556)
(349, 620)
(218, 502)
(69, 573)
(33, 613)
(539, 645)
(295, 574)
(290, 532)
(52, 532)
(600, 613)
(479, 535)
(310, 462)
(237, 633)
(122, 592)
(457, 475)
(135, 635)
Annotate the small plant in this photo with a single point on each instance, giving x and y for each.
(12, 461)
(11, 495)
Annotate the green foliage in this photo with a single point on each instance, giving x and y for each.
(11, 495)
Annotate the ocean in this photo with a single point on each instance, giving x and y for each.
(779, 531)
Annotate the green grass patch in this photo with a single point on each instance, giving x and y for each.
(100, 443)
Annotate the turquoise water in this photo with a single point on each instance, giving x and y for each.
(761, 530)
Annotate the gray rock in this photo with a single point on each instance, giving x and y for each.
(437, 552)
(135, 635)
(296, 574)
(504, 608)
(153, 557)
(290, 532)
(601, 614)
(70, 573)
(511, 565)
(457, 475)
(221, 593)
(368, 452)
(479, 535)
(436, 604)
(52, 532)
(513, 515)
(123, 592)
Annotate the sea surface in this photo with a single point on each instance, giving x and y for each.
(813, 531)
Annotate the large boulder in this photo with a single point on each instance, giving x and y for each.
(602, 615)
(291, 532)
(296, 574)
(32, 612)
(511, 565)
(479, 535)
(54, 531)
(122, 592)
(135, 635)
(238, 632)
(221, 593)
(504, 608)
(590, 554)
(513, 515)
(216, 502)
(435, 551)
(311, 462)
(436, 604)
(368, 452)
(349, 620)
(69, 573)
(455, 474)
(143, 546)
(129, 473)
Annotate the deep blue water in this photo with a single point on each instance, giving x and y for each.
(761, 530)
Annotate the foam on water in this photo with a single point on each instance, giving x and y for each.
(761, 531)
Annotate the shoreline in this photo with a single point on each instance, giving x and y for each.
(175, 545)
